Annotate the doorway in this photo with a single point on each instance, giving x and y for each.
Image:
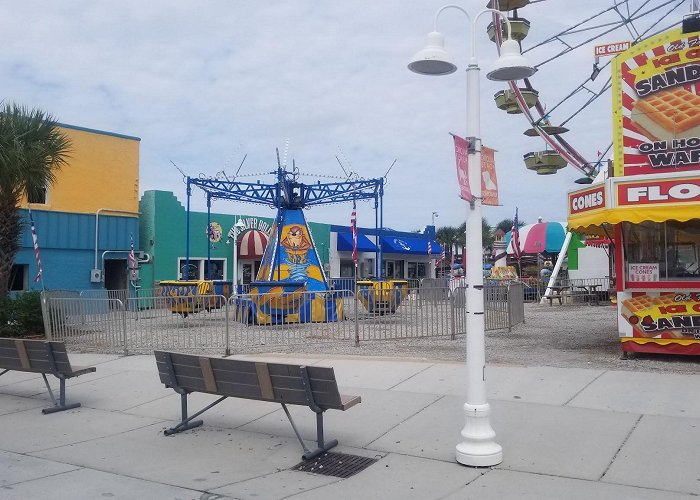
(115, 274)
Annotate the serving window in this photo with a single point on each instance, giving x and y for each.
(661, 252)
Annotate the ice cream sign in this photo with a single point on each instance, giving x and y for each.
(668, 315)
(609, 49)
(656, 105)
(643, 272)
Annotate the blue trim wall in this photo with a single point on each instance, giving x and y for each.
(67, 246)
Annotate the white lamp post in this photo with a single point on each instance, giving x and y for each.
(478, 447)
(435, 214)
(238, 225)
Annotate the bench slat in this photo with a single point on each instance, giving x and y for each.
(264, 380)
(207, 374)
(22, 353)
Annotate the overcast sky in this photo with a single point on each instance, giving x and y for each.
(203, 83)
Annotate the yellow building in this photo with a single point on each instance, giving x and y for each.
(102, 171)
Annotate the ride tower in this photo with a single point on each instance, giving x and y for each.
(291, 285)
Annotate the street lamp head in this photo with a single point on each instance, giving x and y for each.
(511, 65)
(433, 59)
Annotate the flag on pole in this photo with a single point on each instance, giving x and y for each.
(35, 240)
(132, 260)
(515, 236)
(353, 225)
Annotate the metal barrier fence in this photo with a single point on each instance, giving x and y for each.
(139, 323)
(534, 288)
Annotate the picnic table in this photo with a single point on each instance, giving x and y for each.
(590, 292)
(557, 292)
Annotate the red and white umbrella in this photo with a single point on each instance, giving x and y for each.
(540, 237)
(251, 244)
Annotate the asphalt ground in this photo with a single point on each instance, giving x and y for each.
(562, 336)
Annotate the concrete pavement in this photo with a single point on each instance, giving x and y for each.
(573, 433)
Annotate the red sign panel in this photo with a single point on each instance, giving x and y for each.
(659, 192)
(462, 156)
(609, 49)
(584, 201)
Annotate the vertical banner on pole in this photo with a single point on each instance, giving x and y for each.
(461, 155)
(489, 182)
(133, 268)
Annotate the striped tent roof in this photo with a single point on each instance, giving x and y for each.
(251, 244)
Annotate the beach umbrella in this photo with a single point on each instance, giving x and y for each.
(539, 237)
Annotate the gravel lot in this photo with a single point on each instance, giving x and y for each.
(560, 336)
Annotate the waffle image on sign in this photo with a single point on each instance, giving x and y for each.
(668, 114)
(636, 308)
(646, 311)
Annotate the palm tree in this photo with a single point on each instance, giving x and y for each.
(447, 236)
(32, 149)
(486, 234)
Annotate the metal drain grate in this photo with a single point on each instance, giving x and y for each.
(335, 464)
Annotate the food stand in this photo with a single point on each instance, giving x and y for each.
(649, 206)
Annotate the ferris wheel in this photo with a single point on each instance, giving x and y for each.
(616, 27)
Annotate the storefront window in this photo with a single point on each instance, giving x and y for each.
(347, 269)
(217, 269)
(191, 273)
(198, 269)
(662, 251)
(412, 270)
(416, 270)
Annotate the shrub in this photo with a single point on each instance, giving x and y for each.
(21, 315)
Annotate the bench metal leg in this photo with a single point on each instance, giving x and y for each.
(322, 446)
(189, 422)
(61, 404)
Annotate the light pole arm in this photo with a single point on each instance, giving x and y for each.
(472, 22)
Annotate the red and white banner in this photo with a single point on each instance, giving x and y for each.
(35, 242)
(353, 226)
(461, 154)
(489, 182)
(133, 268)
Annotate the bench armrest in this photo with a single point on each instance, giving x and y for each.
(347, 401)
(76, 371)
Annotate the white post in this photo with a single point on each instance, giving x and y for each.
(235, 257)
(557, 267)
(478, 447)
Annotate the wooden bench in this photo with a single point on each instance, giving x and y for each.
(38, 356)
(287, 384)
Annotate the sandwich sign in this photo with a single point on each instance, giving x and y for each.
(656, 105)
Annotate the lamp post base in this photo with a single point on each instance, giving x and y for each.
(478, 448)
